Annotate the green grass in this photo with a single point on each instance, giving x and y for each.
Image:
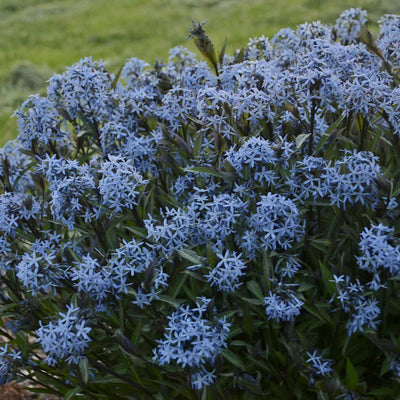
(46, 36)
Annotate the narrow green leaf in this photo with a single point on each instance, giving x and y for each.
(330, 133)
(108, 379)
(168, 300)
(321, 244)
(197, 146)
(233, 359)
(178, 286)
(384, 392)
(71, 393)
(141, 232)
(255, 302)
(194, 119)
(193, 275)
(222, 53)
(351, 375)
(319, 312)
(191, 256)
(84, 368)
(115, 81)
(304, 286)
(255, 289)
(327, 278)
(396, 191)
(228, 176)
(300, 140)
(386, 366)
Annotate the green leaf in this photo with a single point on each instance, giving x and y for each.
(396, 191)
(386, 365)
(319, 312)
(84, 368)
(141, 232)
(330, 133)
(327, 278)
(255, 302)
(115, 81)
(178, 286)
(193, 275)
(321, 244)
(227, 176)
(384, 391)
(233, 359)
(222, 53)
(71, 393)
(194, 120)
(108, 379)
(351, 375)
(304, 286)
(191, 256)
(169, 300)
(255, 289)
(300, 140)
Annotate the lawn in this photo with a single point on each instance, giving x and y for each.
(39, 38)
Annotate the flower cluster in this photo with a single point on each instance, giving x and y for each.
(318, 366)
(226, 274)
(65, 338)
(10, 363)
(377, 251)
(194, 341)
(282, 304)
(354, 299)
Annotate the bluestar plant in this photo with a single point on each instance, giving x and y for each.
(225, 228)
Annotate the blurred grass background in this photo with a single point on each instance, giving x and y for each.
(39, 38)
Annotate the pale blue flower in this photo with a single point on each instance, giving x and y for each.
(65, 338)
(348, 26)
(228, 271)
(119, 183)
(276, 221)
(282, 304)
(191, 340)
(377, 251)
(10, 361)
(317, 366)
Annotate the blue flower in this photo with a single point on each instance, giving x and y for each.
(348, 26)
(261, 156)
(10, 362)
(16, 208)
(91, 278)
(377, 251)
(353, 179)
(282, 304)
(39, 120)
(202, 378)
(119, 138)
(395, 366)
(119, 183)
(227, 273)
(318, 366)
(388, 39)
(277, 222)
(193, 341)
(65, 338)
(307, 181)
(84, 90)
(355, 300)
(365, 314)
(39, 271)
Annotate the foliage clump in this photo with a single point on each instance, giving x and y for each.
(221, 230)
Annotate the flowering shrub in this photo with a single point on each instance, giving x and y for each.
(210, 230)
